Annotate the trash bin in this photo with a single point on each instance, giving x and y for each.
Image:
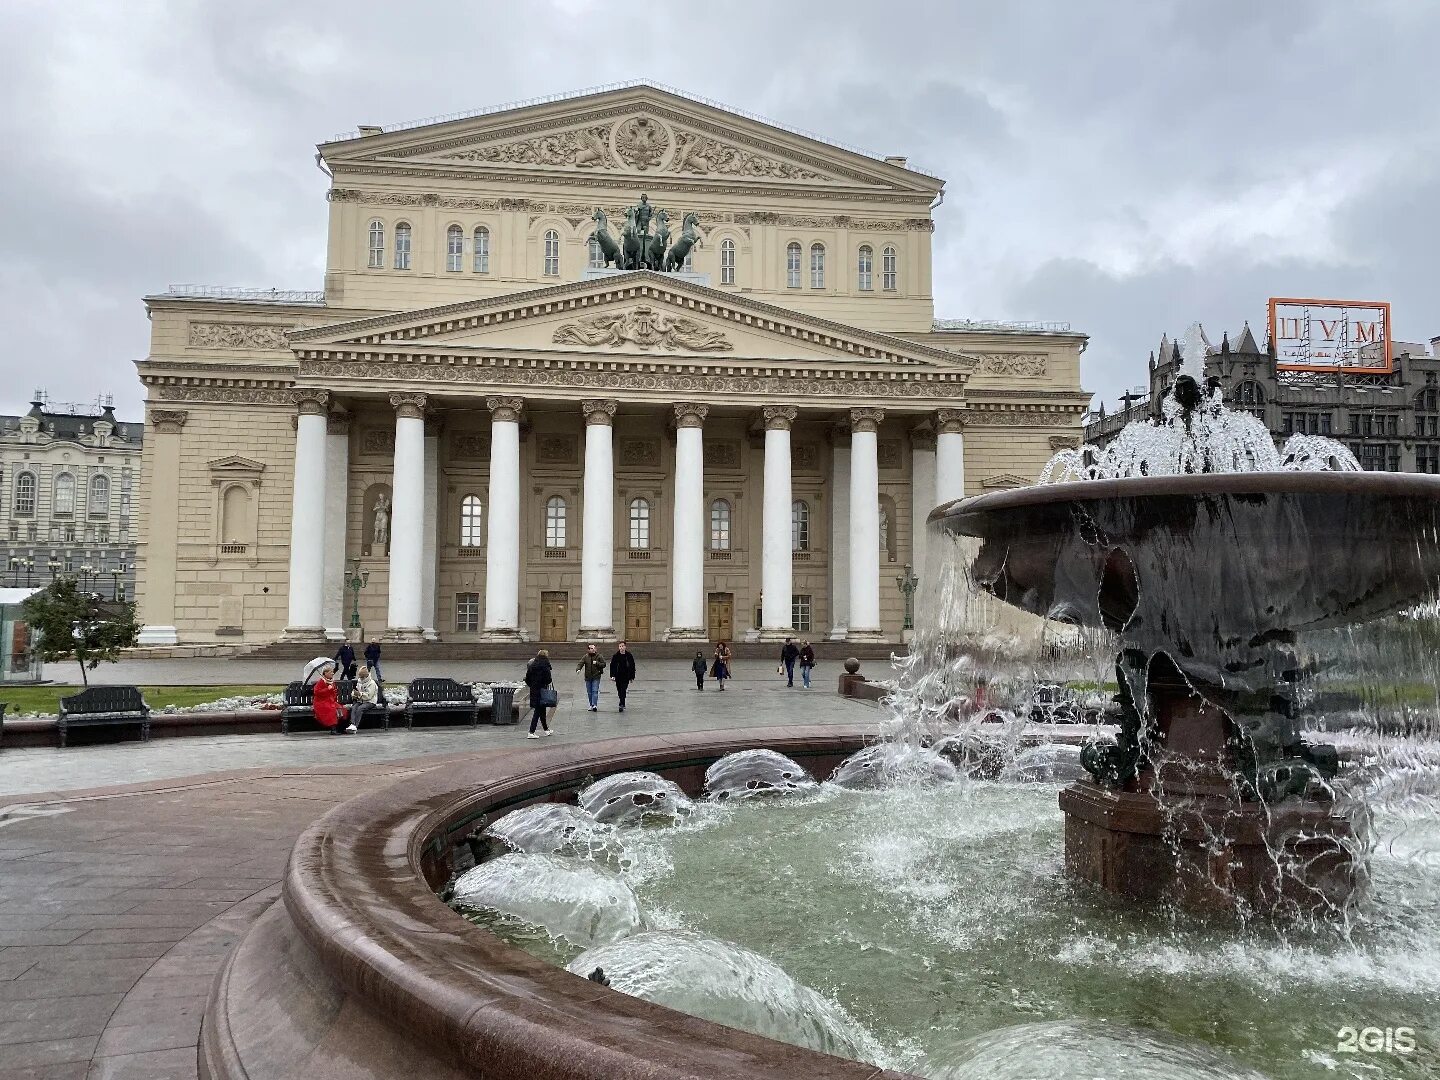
(502, 705)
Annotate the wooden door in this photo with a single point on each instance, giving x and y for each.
(637, 616)
(554, 616)
(722, 616)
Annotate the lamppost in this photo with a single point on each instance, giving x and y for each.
(87, 574)
(117, 591)
(29, 570)
(54, 567)
(907, 583)
(358, 580)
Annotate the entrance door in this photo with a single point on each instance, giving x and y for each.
(722, 616)
(554, 616)
(637, 616)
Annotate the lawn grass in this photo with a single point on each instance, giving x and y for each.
(46, 699)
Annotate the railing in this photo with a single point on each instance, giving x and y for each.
(637, 555)
(720, 556)
(997, 324)
(472, 553)
(234, 549)
(800, 556)
(270, 296)
(557, 553)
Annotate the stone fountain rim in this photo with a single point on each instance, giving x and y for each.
(1403, 485)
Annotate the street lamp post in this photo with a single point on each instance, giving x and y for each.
(358, 580)
(29, 570)
(54, 567)
(115, 576)
(907, 583)
(87, 574)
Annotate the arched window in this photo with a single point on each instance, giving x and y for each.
(1249, 394)
(552, 253)
(99, 495)
(402, 246)
(865, 268)
(597, 257)
(555, 522)
(454, 249)
(482, 250)
(817, 266)
(64, 494)
(727, 262)
(377, 244)
(799, 525)
(889, 275)
(470, 522)
(792, 266)
(640, 523)
(235, 515)
(719, 525)
(25, 494)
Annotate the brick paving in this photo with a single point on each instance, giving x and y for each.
(118, 905)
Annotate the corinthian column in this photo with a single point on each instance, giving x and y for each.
(407, 518)
(158, 549)
(687, 560)
(949, 455)
(597, 527)
(776, 616)
(865, 525)
(502, 537)
(337, 484)
(307, 520)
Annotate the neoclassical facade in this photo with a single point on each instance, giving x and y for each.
(511, 440)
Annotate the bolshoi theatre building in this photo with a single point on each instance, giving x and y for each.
(617, 364)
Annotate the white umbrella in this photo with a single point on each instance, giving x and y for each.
(314, 667)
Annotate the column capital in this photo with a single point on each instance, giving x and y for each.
(504, 409)
(690, 414)
(168, 421)
(311, 401)
(599, 411)
(922, 440)
(779, 417)
(410, 406)
(866, 419)
(949, 421)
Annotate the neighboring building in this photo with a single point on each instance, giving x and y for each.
(1390, 422)
(67, 478)
(517, 443)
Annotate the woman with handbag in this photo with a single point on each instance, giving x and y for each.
(543, 697)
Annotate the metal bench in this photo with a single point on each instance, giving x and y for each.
(298, 711)
(430, 697)
(104, 706)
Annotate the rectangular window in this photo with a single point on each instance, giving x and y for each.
(800, 613)
(1392, 424)
(467, 612)
(1354, 423)
(70, 533)
(1287, 424)
(1326, 422)
(1427, 459)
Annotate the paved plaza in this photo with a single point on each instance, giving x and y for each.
(128, 872)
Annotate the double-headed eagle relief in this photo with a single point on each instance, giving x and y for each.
(644, 242)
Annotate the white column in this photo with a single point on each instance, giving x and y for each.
(156, 553)
(840, 533)
(337, 483)
(502, 536)
(430, 557)
(865, 525)
(776, 586)
(307, 520)
(922, 495)
(407, 518)
(949, 456)
(687, 557)
(597, 529)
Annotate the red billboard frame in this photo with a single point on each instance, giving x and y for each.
(1381, 307)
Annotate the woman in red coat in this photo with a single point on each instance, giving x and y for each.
(328, 710)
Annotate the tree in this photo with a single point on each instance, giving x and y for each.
(72, 624)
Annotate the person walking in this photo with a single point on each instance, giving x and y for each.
(720, 669)
(807, 663)
(789, 653)
(592, 669)
(329, 713)
(345, 660)
(622, 671)
(698, 666)
(365, 697)
(372, 660)
(540, 679)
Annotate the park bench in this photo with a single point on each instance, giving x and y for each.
(432, 697)
(104, 706)
(298, 711)
(3, 706)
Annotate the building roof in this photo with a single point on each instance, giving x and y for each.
(71, 423)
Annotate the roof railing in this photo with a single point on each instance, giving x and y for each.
(998, 324)
(267, 296)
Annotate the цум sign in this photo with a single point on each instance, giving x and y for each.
(1331, 335)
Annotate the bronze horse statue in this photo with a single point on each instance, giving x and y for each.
(609, 248)
(632, 254)
(689, 238)
(655, 255)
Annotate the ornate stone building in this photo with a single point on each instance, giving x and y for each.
(514, 440)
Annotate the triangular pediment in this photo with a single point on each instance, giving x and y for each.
(640, 132)
(236, 466)
(634, 315)
(1001, 481)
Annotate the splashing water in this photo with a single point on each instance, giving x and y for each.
(887, 764)
(559, 829)
(755, 772)
(628, 798)
(573, 901)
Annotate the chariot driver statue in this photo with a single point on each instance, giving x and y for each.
(642, 217)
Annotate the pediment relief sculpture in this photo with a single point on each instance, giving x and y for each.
(645, 327)
(1002, 481)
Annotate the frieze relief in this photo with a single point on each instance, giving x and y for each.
(469, 446)
(226, 395)
(722, 454)
(1017, 418)
(557, 449)
(1016, 365)
(582, 147)
(211, 335)
(645, 327)
(639, 452)
(888, 453)
(805, 457)
(379, 441)
(704, 156)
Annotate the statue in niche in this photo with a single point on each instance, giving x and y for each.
(884, 530)
(381, 534)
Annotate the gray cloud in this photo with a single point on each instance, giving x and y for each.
(1127, 167)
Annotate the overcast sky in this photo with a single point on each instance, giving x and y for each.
(1126, 167)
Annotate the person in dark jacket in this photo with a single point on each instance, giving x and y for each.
(698, 666)
(592, 668)
(622, 671)
(789, 653)
(345, 660)
(538, 677)
(807, 662)
(372, 660)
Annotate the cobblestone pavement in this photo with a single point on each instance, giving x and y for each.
(117, 908)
